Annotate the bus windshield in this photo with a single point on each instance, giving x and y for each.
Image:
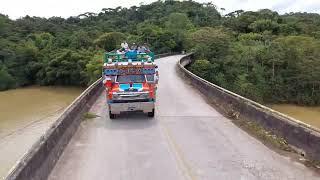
(131, 78)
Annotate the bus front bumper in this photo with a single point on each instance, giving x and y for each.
(146, 107)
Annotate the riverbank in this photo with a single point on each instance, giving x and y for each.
(25, 115)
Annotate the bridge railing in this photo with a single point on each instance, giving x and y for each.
(300, 135)
(40, 159)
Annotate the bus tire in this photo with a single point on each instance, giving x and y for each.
(151, 114)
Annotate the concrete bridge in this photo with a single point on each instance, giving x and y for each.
(187, 139)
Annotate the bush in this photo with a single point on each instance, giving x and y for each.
(7, 81)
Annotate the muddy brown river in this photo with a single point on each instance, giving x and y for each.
(309, 115)
(25, 114)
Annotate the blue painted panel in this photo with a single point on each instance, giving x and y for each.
(124, 86)
(109, 72)
(149, 71)
(137, 86)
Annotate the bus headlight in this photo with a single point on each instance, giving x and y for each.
(145, 95)
(115, 96)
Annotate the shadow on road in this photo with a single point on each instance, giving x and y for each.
(129, 121)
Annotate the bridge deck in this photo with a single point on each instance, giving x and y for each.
(188, 139)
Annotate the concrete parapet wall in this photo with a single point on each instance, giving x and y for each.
(298, 134)
(38, 162)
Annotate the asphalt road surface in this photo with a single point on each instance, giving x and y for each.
(187, 140)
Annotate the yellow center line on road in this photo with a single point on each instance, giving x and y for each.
(178, 154)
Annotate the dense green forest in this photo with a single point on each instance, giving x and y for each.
(261, 55)
(58, 51)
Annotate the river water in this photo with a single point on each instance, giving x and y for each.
(309, 115)
(25, 114)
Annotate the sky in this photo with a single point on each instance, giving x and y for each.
(66, 8)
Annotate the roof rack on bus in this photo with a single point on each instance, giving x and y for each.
(111, 57)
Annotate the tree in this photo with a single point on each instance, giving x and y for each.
(301, 56)
(66, 67)
(4, 25)
(160, 39)
(42, 40)
(81, 39)
(110, 41)
(93, 68)
(201, 68)
(210, 43)
(6, 79)
(264, 25)
(178, 24)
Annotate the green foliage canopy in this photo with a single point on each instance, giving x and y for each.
(261, 55)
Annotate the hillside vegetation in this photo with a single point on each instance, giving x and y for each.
(261, 55)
